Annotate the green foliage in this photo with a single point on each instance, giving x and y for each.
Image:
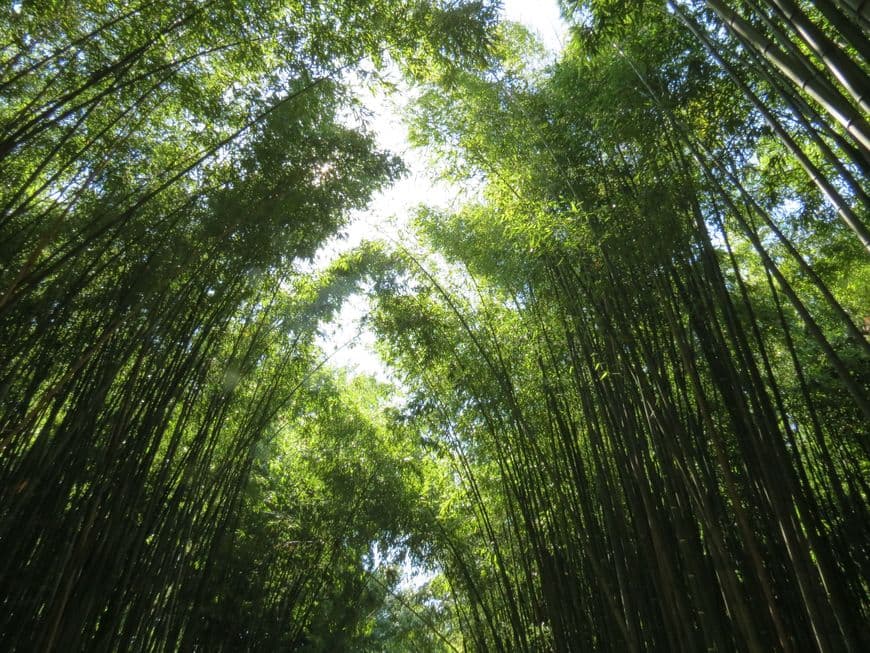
(166, 165)
(633, 403)
(637, 392)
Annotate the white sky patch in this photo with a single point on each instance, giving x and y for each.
(541, 17)
(345, 340)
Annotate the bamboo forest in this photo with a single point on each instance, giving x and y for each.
(622, 392)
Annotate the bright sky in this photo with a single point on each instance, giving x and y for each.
(541, 16)
(344, 340)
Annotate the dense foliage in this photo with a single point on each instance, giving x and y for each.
(634, 370)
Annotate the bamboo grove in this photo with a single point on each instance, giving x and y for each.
(634, 366)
